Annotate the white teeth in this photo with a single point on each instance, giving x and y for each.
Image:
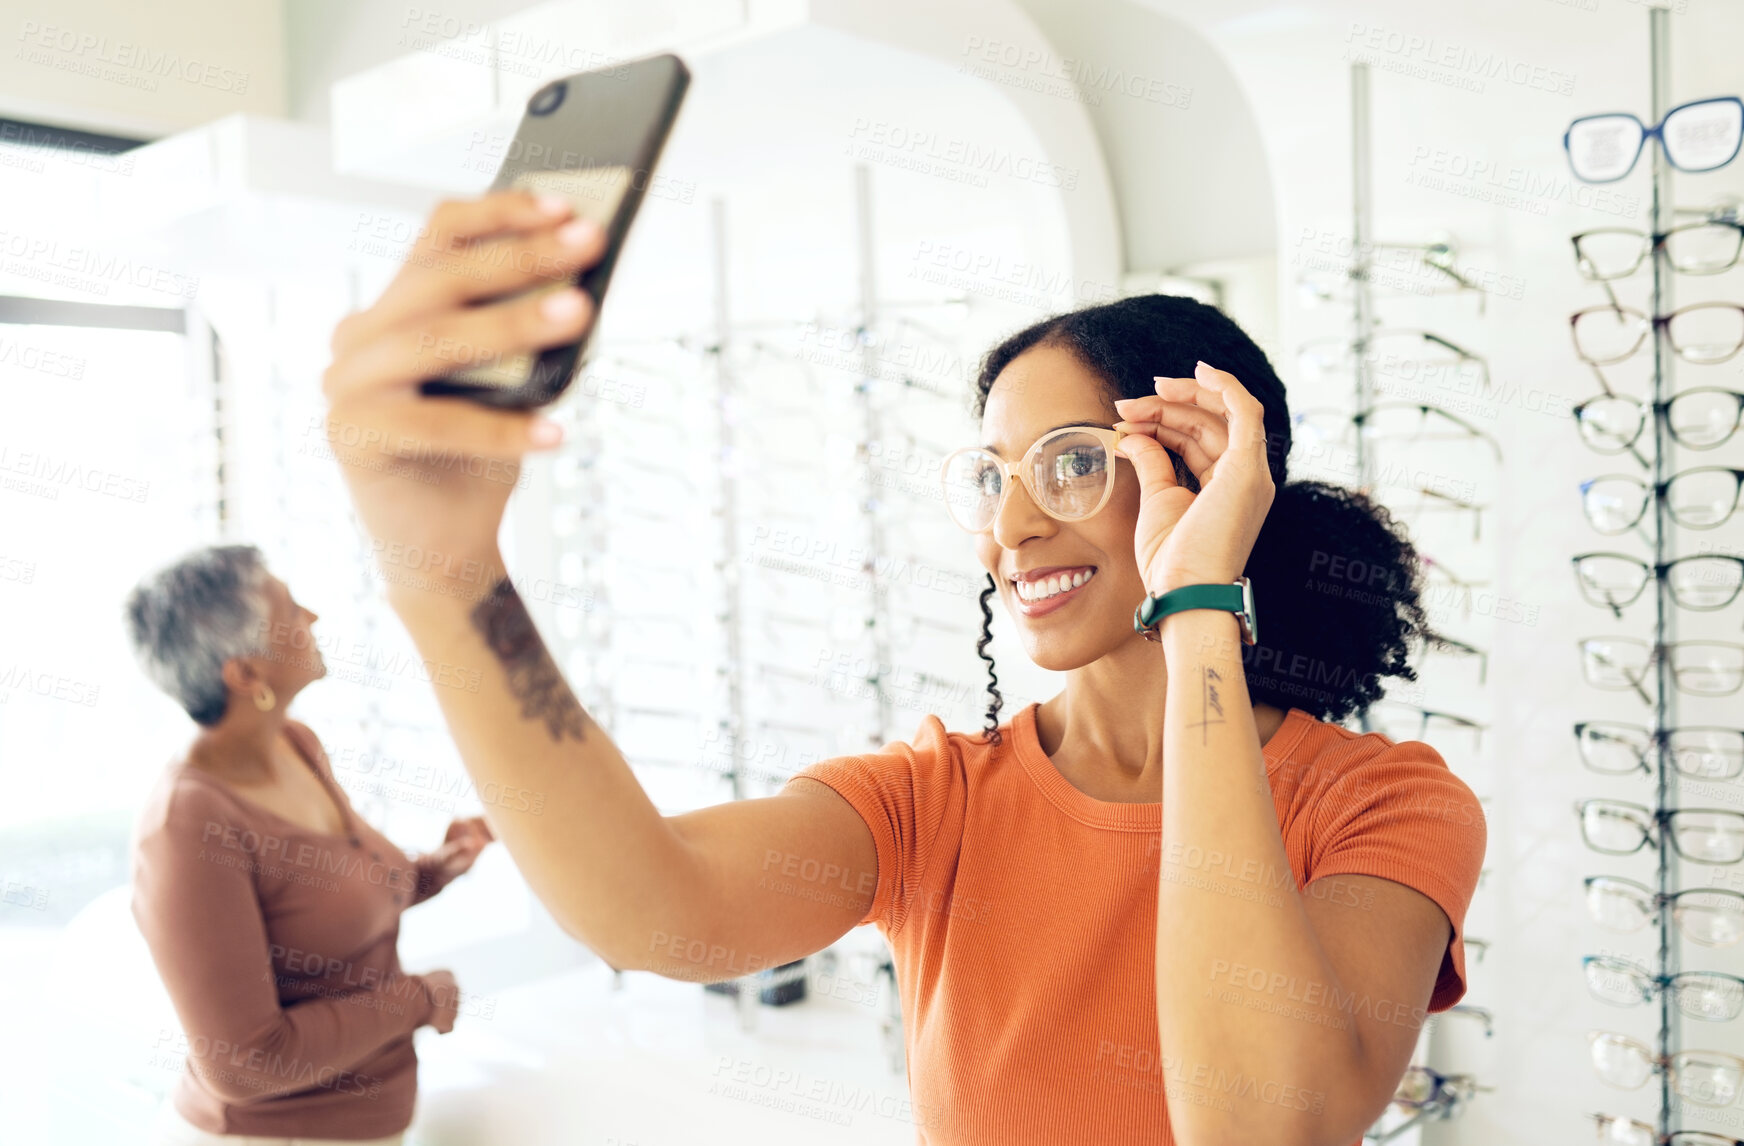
(1052, 586)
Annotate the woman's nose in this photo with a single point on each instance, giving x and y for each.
(1018, 517)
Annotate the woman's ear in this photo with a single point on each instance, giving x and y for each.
(239, 675)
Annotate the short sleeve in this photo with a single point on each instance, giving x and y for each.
(903, 792)
(1403, 815)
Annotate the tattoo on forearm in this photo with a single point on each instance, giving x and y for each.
(502, 620)
(1210, 703)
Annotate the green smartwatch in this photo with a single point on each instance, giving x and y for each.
(1236, 597)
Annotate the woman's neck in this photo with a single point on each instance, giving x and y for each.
(242, 747)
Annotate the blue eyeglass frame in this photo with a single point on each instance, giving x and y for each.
(1657, 131)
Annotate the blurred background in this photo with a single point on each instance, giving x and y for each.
(858, 200)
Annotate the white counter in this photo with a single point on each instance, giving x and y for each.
(568, 1061)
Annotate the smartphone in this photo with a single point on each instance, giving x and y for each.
(593, 138)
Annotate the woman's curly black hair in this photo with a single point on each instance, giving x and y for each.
(1336, 580)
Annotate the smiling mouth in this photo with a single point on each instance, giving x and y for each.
(1055, 585)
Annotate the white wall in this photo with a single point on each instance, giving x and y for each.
(141, 69)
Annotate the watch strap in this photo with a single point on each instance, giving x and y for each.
(1235, 597)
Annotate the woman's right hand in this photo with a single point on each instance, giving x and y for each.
(444, 995)
(430, 477)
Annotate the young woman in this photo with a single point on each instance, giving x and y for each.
(1171, 904)
(272, 911)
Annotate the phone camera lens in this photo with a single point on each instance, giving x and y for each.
(546, 99)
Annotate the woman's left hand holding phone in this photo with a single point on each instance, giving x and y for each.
(430, 477)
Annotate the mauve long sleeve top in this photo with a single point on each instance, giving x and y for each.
(277, 946)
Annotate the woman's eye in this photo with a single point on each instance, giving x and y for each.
(1078, 464)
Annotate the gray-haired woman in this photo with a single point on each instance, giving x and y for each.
(272, 911)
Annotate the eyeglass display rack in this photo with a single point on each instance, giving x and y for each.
(742, 627)
(1425, 1094)
(1664, 703)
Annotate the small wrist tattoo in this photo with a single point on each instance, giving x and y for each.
(501, 618)
(1210, 702)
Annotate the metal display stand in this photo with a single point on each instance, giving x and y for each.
(1664, 714)
(721, 353)
(1400, 1122)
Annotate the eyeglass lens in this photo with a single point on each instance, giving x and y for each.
(1070, 471)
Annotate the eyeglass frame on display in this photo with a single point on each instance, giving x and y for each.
(1654, 739)
(1661, 821)
(1438, 642)
(1675, 1138)
(1658, 409)
(1463, 723)
(1445, 501)
(1650, 244)
(1315, 294)
(1448, 1090)
(1657, 573)
(1425, 408)
(1657, 131)
(1650, 325)
(1658, 901)
(1348, 358)
(1660, 983)
(1656, 1064)
(1655, 651)
(1659, 491)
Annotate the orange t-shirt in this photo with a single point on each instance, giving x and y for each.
(1022, 913)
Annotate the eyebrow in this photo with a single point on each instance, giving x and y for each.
(1051, 429)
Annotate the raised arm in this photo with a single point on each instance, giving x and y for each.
(1290, 1013)
(689, 896)
(196, 905)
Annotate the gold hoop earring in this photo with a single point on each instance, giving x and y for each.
(265, 703)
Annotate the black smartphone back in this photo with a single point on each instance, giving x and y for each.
(593, 138)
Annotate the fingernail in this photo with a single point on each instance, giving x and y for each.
(561, 306)
(1201, 366)
(553, 204)
(544, 432)
(578, 232)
